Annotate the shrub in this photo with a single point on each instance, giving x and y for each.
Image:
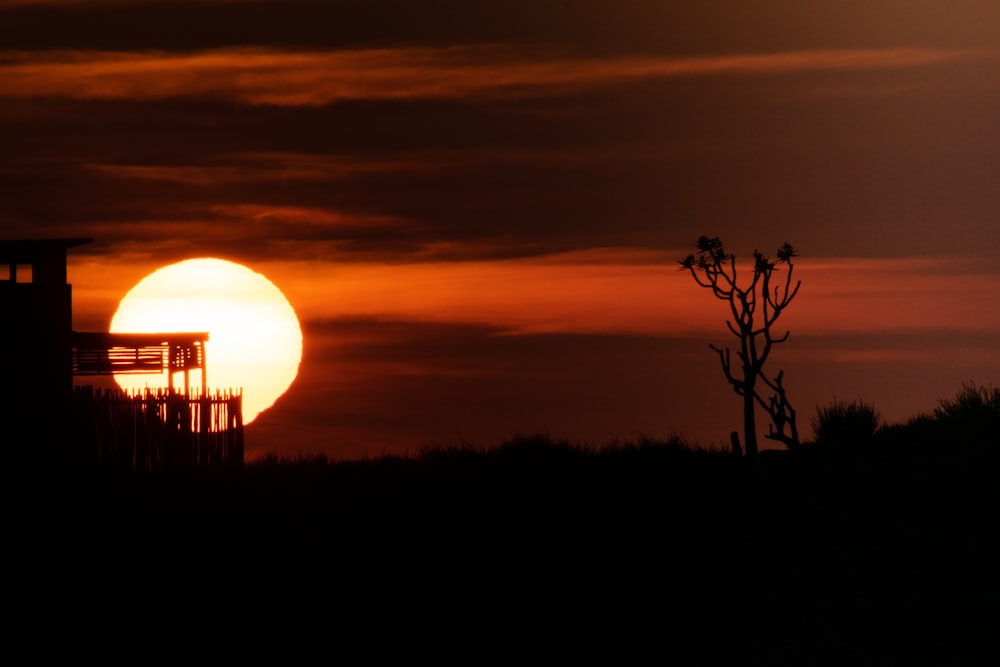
(973, 415)
(846, 423)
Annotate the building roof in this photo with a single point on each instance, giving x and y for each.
(47, 257)
(99, 339)
(24, 251)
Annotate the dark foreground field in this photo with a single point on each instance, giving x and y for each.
(537, 552)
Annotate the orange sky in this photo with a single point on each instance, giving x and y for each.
(604, 291)
(860, 318)
(476, 208)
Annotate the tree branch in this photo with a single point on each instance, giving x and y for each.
(715, 269)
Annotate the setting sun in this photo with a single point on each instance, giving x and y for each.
(255, 342)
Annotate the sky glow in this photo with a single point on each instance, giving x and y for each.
(476, 209)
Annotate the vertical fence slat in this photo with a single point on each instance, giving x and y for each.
(150, 429)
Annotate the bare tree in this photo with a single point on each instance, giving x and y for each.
(755, 309)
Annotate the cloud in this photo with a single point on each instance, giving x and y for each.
(266, 76)
(249, 232)
(9, 4)
(636, 291)
(243, 168)
(619, 291)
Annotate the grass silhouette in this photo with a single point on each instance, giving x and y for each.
(543, 550)
(846, 423)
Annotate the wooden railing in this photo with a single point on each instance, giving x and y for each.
(157, 429)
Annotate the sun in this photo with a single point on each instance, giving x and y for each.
(255, 341)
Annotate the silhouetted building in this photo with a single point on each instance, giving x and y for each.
(44, 420)
(37, 382)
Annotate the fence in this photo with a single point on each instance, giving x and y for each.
(158, 429)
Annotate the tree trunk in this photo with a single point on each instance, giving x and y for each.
(749, 421)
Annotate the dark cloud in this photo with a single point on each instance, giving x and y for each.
(589, 26)
(389, 386)
(841, 175)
